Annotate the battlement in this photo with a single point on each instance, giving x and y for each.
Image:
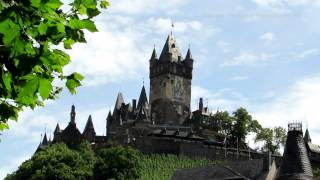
(180, 68)
(296, 126)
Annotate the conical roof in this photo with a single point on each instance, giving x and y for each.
(307, 137)
(45, 139)
(57, 129)
(154, 54)
(143, 100)
(170, 51)
(189, 55)
(119, 102)
(295, 163)
(89, 126)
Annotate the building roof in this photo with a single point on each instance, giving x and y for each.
(143, 100)
(119, 102)
(154, 54)
(295, 162)
(170, 50)
(189, 55)
(307, 138)
(89, 126)
(57, 129)
(313, 147)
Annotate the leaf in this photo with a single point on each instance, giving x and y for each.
(42, 28)
(3, 126)
(54, 4)
(35, 3)
(77, 76)
(82, 24)
(6, 78)
(27, 93)
(72, 84)
(60, 27)
(45, 88)
(68, 43)
(104, 4)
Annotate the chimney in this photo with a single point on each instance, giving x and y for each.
(134, 104)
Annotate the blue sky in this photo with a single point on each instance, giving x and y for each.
(260, 54)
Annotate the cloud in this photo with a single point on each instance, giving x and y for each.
(267, 37)
(247, 58)
(165, 25)
(307, 53)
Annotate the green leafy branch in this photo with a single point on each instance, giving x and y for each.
(29, 63)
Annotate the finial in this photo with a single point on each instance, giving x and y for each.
(172, 26)
(142, 81)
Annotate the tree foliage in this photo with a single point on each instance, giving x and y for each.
(58, 162)
(29, 62)
(117, 163)
(273, 138)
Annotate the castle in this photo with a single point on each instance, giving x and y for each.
(165, 122)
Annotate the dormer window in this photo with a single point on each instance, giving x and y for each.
(173, 46)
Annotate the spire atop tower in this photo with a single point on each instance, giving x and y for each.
(119, 102)
(307, 137)
(57, 129)
(45, 139)
(154, 54)
(89, 126)
(73, 114)
(170, 51)
(189, 55)
(143, 100)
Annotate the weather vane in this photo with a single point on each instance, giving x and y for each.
(172, 26)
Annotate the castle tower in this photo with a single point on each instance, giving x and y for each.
(170, 84)
(295, 163)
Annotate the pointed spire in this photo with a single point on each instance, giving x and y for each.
(307, 138)
(170, 51)
(45, 139)
(119, 102)
(143, 100)
(57, 129)
(73, 114)
(89, 126)
(154, 54)
(189, 55)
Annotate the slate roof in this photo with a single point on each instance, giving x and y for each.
(119, 102)
(295, 162)
(89, 126)
(57, 129)
(154, 54)
(189, 55)
(143, 100)
(307, 138)
(170, 49)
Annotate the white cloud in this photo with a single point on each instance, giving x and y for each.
(300, 102)
(267, 37)
(307, 53)
(247, 58)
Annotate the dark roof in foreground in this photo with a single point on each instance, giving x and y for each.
(295, 164)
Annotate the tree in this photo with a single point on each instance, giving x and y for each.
(118, 163)
(273, 138)
(29, 62)
(244, 124)
(58, 162)
(222, 122)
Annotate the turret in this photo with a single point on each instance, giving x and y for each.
(170, 51)
(201, 104)
(118, 103)
(143, 100)
(188, 60)
(295, 163)
(73, 115)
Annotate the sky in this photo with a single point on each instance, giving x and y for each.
(259, 54)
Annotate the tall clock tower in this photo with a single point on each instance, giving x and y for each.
(170, 84)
